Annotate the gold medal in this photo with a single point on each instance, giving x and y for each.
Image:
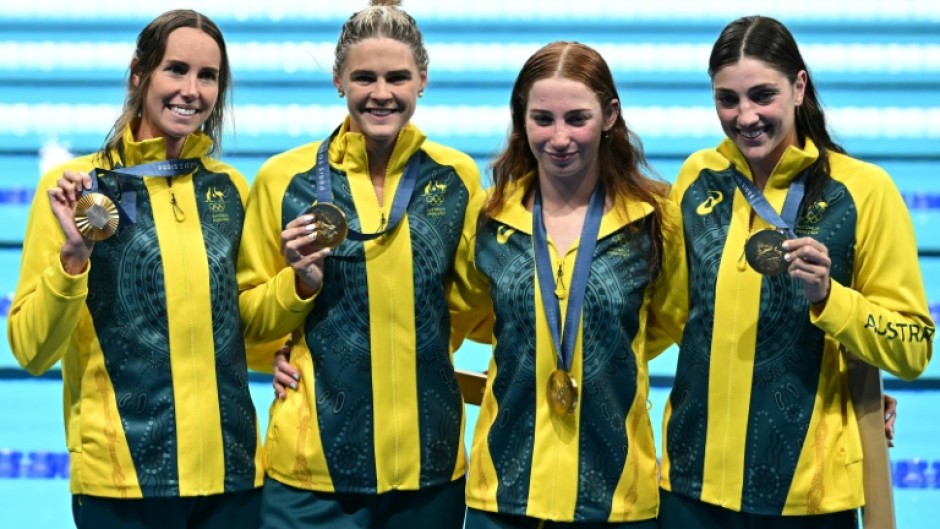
(562, 393)
(331, 225)
(96, 217)
(764, 252)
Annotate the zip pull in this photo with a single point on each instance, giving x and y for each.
(178, 212)
(742, 262)
(382, 225)
(561, 292)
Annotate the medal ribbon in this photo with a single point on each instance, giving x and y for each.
(564, 343)
(399, 203)
(162, 169)
(787, 218)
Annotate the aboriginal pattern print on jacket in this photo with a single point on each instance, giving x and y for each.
(133, 323)
(613, 300)
(788, 357)
(339, 333)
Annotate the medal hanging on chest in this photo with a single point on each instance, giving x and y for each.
(331, 222)
(764, 249)
(562, 389)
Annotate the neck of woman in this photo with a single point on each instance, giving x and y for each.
(379, 156)
(565, 195)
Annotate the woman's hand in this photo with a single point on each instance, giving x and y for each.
(76, 250)
(285, 376)
(891, 414)
(298, 245)
(810, 263)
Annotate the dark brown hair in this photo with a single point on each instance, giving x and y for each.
(769, 41)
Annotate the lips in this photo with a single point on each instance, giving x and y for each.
(561, 158)
(380, 112)
(182, 111)
(752, 134)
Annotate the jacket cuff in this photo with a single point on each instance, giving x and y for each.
(287, 292)
(64, 284)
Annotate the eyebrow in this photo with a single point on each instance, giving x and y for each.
(404, 71)
(762, 86)
(568, 113)
(180, 62)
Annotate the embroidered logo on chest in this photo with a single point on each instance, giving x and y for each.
(706, 207)
(215, 199)
(434, 195)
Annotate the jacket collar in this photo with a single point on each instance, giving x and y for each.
(196, 145)
(793, 162)
(348, 149)
(515, 215)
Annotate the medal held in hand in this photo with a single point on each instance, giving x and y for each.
(764, 249)
(331, 225)
(96, 216)
(562, 392)
(764, 252)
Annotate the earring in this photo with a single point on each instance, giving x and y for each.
(341, 94)
(421, 93)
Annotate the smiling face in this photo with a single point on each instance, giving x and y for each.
(564, 123)
(756, 105)
(182, 90)
(381, 81)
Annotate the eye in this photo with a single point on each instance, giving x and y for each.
(578, 120)
(209, 75)
(541, 120)
(726, 100)
(399, 78)
(362, 78)
(764, 96)
(177, 68)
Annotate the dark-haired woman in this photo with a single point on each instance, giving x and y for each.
(801, 260)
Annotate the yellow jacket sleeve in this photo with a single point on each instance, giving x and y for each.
(669, 305)
(471, 308)
(882, 318)
(49, 303)
(270, 306)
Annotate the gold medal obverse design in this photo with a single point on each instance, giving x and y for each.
(562, 393)
(764, 252)
(331, 225)
(96, 217)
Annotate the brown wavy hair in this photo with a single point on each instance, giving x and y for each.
(621, 163)
(151, 47)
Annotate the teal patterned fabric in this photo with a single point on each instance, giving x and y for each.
(788, 354)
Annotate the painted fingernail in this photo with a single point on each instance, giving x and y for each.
(787, 257)
(313, 236)
(296, 376)
(785, 245)
(308, 219)
(310, 227)
(293, 385)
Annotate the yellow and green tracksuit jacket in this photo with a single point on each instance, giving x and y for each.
(149, 337)
(377, 406)
(599, 463)
(760, 419)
